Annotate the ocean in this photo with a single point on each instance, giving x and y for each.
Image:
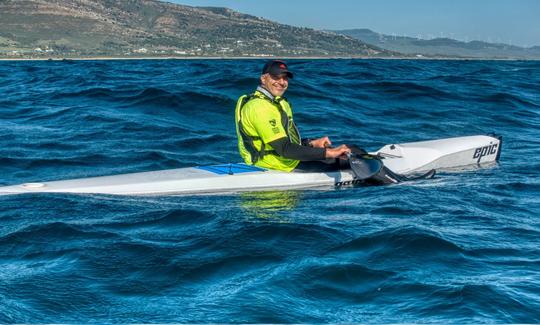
(460, 248)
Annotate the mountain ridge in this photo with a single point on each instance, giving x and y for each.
(150, 27)
(442, 46)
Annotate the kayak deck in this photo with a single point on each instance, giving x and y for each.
(450, 153)
(405, 158)
(192, 180)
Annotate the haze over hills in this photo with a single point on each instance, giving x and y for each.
(442, 46)
(75, 28)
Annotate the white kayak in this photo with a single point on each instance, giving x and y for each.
(404, 158)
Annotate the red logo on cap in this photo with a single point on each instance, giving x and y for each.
(282, 66)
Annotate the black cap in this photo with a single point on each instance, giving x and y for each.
(276, 68)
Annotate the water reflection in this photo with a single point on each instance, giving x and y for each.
(270, 205)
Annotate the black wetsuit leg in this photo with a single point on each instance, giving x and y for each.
(323, 166)
(328, 165)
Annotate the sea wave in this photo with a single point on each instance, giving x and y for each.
(462, 247)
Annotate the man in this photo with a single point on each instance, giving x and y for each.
(267, 134)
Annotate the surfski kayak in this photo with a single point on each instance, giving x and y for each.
(404, 159)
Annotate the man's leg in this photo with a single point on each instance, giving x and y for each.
(328, 165)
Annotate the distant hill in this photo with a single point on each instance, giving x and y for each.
(34, 28)
(442, 46)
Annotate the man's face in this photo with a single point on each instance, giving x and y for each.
(275, 85)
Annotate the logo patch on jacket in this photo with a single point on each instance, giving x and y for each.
(273, 122)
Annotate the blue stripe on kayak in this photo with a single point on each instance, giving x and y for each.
(231, 169)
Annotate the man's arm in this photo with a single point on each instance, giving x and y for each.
(285, 148)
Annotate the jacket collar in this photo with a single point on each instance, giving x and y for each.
(266, 93)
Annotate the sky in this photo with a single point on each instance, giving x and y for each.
(515, 22)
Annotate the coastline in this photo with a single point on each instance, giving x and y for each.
(120, 58)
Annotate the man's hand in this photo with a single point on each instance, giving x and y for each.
(323, 142)
(338, 152)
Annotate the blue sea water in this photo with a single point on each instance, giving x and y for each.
(463, 247)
